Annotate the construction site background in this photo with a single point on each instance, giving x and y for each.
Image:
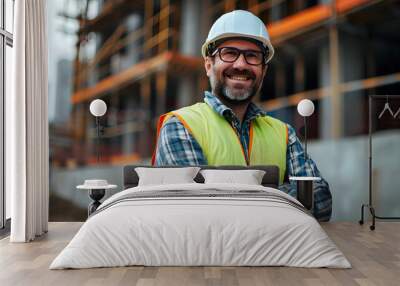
(143, 59)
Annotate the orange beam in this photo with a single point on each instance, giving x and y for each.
(135, 72)
(316, 94)
(189, 62)
(125, 159)
(298, 21)
(310, 17)
(343, 6)
(119, 159)
(122, 78)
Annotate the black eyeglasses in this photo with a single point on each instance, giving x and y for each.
(230, 55)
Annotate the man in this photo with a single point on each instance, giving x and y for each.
(228, 128)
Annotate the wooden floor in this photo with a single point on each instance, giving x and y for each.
(375, 256)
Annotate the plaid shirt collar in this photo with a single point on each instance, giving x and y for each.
(252, 111)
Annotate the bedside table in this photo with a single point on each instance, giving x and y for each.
(305, 191)
(97, 190)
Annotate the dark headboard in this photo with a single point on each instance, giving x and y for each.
(270, 179)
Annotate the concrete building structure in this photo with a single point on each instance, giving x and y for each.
(143, 58)
(147, 61)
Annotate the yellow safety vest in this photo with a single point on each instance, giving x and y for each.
(221, 145)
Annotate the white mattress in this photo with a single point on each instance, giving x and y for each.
(183, 231)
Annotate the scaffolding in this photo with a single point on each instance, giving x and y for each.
(147, 61)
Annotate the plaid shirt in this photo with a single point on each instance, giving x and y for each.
(176, 146)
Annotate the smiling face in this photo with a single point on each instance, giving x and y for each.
(238, 82)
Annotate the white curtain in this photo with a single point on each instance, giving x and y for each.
(27, 124)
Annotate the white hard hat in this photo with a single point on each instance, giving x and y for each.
(239, 23)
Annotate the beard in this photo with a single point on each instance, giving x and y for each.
(231, 95)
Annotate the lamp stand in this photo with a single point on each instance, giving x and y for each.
(98, 138)
(96, 195)
(305, 138)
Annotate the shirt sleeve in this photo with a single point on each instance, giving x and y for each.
(176, 146)
(296, 165)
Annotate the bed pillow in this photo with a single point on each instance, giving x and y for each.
(248, 177)
(163, 176)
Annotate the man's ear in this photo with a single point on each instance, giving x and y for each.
(208, 65)
(265, 70)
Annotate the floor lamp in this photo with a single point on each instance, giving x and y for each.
(97, 188)
(98, 108)
(305, 192)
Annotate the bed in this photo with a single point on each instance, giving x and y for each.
(201, 224)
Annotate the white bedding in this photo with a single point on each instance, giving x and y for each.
(181, 231)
